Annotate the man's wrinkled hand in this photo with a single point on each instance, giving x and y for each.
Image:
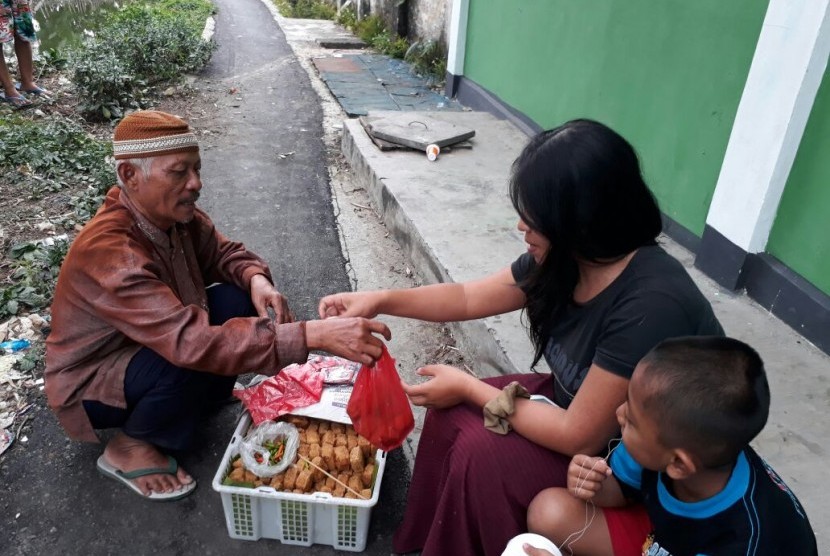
(354, 338)
(265, 295)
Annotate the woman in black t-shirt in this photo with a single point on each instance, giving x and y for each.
(598, 294)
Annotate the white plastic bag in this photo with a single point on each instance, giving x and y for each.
(254, 448)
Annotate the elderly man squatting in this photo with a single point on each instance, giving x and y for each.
(138, 342)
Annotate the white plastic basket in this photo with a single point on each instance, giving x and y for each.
(298, 519)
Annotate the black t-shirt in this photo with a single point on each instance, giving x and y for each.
(756, 513)
(654, 298)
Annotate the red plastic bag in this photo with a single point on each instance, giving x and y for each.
(295, 386)
(378, 407)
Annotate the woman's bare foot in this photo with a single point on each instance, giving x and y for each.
(129, 454)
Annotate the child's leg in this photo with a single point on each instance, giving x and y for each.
(575, 526)
(5, 77)
(23, 50)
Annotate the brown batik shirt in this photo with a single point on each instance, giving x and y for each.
(126, 284)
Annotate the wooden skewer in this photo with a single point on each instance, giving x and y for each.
(327, 474)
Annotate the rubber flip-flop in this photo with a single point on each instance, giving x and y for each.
(37, 91)
(18, 102)
(109, 471)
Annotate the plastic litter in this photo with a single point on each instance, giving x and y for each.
(13, 346)
(6, 439)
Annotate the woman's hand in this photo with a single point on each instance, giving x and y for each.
(350, 304)
(586, 476)
(264, 295)
(447, 386)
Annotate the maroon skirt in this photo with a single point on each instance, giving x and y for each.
(471, 487)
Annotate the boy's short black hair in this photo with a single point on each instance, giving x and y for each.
(708, 394)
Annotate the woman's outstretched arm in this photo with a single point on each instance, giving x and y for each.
(492, 295)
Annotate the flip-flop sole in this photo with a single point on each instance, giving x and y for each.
(110, 472)
(21, 102)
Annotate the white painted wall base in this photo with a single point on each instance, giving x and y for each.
(458, 37)
(787, 69)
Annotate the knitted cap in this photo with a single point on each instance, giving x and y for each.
(150, 133)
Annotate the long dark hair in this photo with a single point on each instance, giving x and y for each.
(581, 187)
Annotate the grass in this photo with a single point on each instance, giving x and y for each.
(306, 9)
(136, 48)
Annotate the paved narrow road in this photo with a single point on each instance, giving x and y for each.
(53, 501)
(265, 173)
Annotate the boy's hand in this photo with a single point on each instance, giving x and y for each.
(586, 476)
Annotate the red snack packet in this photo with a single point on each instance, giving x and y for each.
(378, 407)
(295, 386)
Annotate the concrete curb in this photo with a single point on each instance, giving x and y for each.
(497, 345)
(210, 27)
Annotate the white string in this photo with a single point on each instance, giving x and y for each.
(568, 543)
(562, 386)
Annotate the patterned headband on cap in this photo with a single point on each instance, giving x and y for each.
(150, 133)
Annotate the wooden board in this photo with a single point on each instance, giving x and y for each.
(415, 131)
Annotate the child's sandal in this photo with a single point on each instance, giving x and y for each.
(18, 102)
(37, 91)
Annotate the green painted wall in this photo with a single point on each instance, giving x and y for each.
(666, 74)
(800, 236)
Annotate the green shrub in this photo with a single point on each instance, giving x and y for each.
(138, 47)
(53, 153)
(190, 14)
(372, 31)
(51, 60)
(33, 278)
(306, 9)
(106, 85)
(368, 28)
(313, 9)
(386, 43)
(41, 156)
(428, 58)
(156, 48)
(85, 204)
(347, 18)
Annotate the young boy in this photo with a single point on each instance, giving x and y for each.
(694, 404)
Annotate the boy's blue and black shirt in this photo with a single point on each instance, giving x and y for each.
(755, 514)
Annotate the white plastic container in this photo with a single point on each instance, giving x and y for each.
(514, 547)
(298, 519)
